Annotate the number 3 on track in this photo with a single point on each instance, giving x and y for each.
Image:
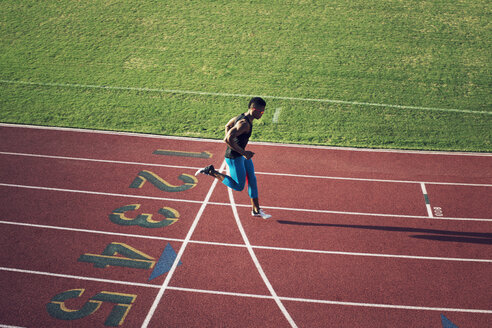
(143, 220)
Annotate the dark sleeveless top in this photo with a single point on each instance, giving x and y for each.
(241, 140)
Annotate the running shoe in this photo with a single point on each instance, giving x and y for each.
(261, 214)
(206, 170)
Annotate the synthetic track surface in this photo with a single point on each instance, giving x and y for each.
(358, 238)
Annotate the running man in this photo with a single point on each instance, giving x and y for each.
(237, 133)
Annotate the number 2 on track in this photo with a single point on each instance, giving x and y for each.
(189, 182)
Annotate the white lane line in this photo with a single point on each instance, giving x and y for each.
(262, 143)
(97, 160)
(387, 306)
(257, 263)
(409, 257)
(211, 243)
(215, 292)
(369, 214)
(261, 173)
(238, 95)
(42, 226)
(69, 276)
(98, 193)
(169, 275)
(242, 205)
(375, 180)
(427, 202)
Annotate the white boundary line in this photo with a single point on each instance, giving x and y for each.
(257, 263)
(375, 180)
(169, 275)
(69, 276)
(96, 160)
(215, 292)
(238, 95)
(211, 243)
(260, 173)
(320, 147)
(88, 192)
(240, 205)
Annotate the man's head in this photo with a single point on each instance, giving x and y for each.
(257, 107)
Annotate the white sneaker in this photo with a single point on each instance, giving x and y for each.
(206, 170)
(261, 214)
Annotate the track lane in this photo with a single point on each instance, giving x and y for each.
(374, 235)
(436, 284)
(97, 177)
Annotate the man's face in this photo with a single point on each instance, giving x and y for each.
(258, 112)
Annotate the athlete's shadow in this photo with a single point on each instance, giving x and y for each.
(483, 238)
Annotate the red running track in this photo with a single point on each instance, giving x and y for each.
(358, 238)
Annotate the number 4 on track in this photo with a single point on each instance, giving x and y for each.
(131, 258)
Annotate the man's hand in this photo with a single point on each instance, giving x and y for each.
(248, 154)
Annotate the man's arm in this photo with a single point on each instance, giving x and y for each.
(229, 125)
(232, 132)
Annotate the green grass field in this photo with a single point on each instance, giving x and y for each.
(110, 65)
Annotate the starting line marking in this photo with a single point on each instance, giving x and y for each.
(293, 299)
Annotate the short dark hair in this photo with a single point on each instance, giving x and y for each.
(256, 101)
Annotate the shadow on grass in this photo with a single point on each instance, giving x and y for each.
(483, 238)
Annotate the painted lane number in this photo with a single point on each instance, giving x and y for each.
(189, 182)
(144, 220)
(129, 257)
(122, 304)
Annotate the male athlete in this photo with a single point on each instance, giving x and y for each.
(237, 133)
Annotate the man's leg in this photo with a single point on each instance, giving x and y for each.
(253, 190)
(236, 181)
(255, 204)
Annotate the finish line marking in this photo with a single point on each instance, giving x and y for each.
(222, 94)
